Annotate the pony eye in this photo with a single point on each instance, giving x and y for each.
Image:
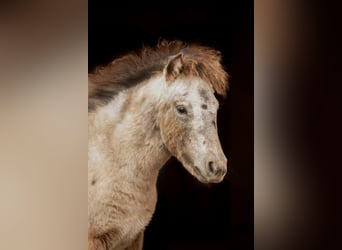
(181, 109)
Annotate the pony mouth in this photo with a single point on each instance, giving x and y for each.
(198, 174)
(193, 169)
(200, 177)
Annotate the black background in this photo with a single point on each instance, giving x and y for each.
(191, 215)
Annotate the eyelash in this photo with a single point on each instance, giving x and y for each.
(181, 109)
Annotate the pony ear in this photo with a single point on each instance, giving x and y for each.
(174, 67)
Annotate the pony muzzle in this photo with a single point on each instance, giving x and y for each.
(216, 170)
(212, 171)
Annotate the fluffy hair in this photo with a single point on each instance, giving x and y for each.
(135, 67)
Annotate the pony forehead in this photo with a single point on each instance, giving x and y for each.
(192, 84)
(192, 88)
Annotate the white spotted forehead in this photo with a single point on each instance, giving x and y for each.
(194, 89)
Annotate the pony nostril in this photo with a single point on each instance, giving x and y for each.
(211, 166)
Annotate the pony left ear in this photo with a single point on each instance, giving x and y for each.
(174, 67)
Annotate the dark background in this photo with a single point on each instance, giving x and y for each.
(191, 215)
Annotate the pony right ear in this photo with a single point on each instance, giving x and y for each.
(174, 67)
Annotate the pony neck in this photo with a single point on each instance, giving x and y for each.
(126, 133)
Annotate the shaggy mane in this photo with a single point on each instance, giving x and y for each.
(133, 68)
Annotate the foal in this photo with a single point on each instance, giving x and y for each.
(144, 108)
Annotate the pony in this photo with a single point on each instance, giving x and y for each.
(144, 108)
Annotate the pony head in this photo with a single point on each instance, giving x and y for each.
(188, 118)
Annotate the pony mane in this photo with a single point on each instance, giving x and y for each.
(133, 68)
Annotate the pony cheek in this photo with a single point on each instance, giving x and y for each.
(169, 142)
(166, 137)
(171, 138)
